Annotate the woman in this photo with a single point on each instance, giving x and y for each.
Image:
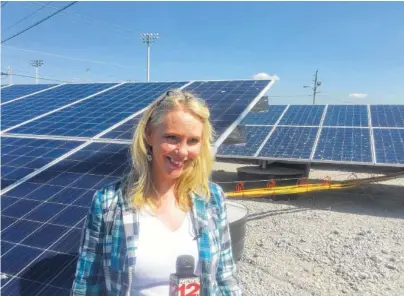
(136, 229)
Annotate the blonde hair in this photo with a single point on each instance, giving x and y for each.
(195, 177)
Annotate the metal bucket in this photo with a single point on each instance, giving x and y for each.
(237, 217)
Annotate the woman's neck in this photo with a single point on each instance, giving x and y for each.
(163, 187)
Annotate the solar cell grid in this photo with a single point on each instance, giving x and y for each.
(303, 115)
(49, 211)
(389, 145)
(227, 99)
(16, 91)
(265, 118)
(90, 117)
(20, 157)
(47, 101)
(387, 115)
(254, 134)
(124, 131)
(344, 145)
(346, 115)
(290, 143)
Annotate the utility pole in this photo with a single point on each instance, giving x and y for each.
(149, 38)
(36, 64)
(86, 75)
(316, 84)
(10, 75)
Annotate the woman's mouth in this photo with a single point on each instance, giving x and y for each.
(175, 163)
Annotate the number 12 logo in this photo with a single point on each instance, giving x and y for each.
(191, 289)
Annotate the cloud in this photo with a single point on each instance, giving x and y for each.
(358, 95)
(262, 76)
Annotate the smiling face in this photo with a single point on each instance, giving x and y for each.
(176, 143)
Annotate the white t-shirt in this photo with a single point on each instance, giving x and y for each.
(157, 252)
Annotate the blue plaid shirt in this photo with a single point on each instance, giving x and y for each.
(107, 254)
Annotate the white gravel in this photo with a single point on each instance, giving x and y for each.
(348, 242)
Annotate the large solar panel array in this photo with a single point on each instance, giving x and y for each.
(348, 134)
(58, 148)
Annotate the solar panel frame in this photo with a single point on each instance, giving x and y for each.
(345, 115)
(254, 137)
(340, 140)
(296, 114)
(384, 152)
(387, 116)
(268, 118)
(279, 141)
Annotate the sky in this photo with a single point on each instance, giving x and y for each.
(357, 47)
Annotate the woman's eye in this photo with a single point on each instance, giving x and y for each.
(171, 137)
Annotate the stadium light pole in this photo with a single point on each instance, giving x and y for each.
(316, 84)
(36, 64)
(149, 38)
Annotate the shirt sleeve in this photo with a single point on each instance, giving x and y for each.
(226, 275)
(89, 277)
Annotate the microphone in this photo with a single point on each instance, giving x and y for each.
(184, 282)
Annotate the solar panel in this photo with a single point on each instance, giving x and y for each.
(227, 99)
(47, 101)
(346, 115)
(124, 131)
(16, 91)
(269, 117)
(387, 115)
(90, 117)
(254, 134)
(20, 157)
(289, 143)
(303, 115)
(344, 145)
(46, 214)
(389, 146)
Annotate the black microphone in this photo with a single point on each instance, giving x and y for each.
(184, 282)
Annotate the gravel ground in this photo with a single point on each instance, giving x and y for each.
(348, 242)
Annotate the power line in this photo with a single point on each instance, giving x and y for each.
(40, 21)
(40, 78)
(29, 15)
(68, 57)
(109, 25)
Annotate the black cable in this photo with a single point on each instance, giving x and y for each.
(24, 18)
(40, 78)
(38, 22)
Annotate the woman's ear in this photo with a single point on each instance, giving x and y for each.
(148, 136)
